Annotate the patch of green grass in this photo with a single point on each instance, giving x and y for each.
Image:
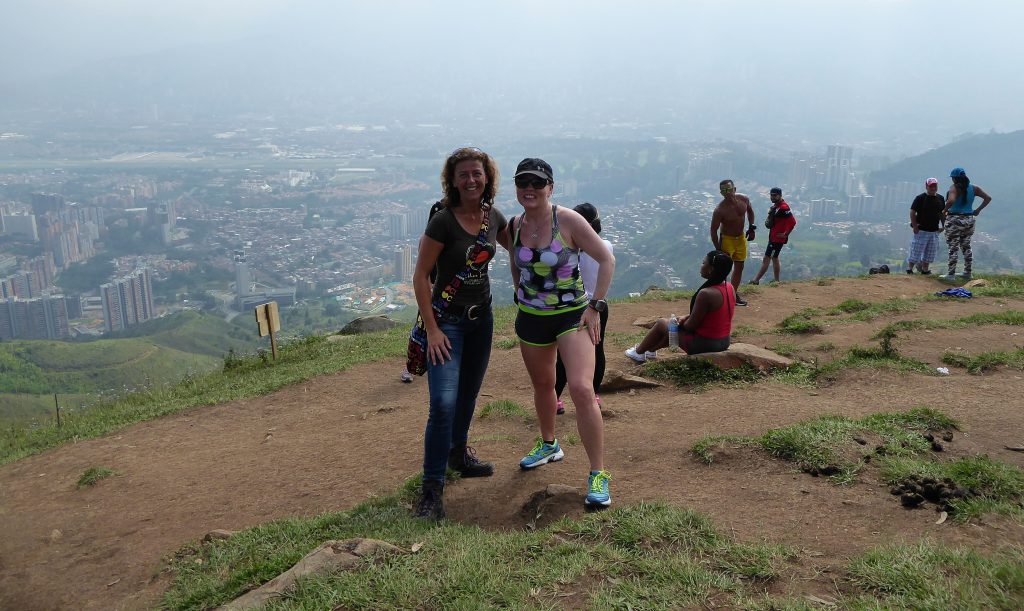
(825, 347)
(863, 311)
(802, 322)
(702, 450)
(507, 343)
(503, 408)
(93, 475)
(999, 486)
(825, 281)
(698, 373)
(641, 556)
(928, 575)
(252, 376)
(1009, 285)
(783, 348)
(571, 439)
(873, 358)
(849, 306)
(825, 445)
(1013, 318)
(661, 295)
(625, 339)
(986, 361)
(739, 330)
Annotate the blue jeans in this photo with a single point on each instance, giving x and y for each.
(454, 386)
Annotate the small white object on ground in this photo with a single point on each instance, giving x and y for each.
(942, 370)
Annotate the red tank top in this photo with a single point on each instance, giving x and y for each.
(718, 324)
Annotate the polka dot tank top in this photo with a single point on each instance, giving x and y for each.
(549, 278)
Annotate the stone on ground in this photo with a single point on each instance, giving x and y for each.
(330, 557)
(737, 355)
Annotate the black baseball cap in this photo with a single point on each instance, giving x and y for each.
(775, 190)
(537, 167)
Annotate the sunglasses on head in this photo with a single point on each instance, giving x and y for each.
(531, 181)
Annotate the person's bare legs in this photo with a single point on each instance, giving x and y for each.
(577, 351)
(763, 270)
(540, 365)
(777, 268)
(737, 274)
(656, 338)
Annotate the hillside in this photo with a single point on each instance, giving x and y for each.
(158, 352)
(301, 454)
(992, 161)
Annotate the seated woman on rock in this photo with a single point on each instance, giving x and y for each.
(707, 327)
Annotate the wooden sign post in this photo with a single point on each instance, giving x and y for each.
(268, 321)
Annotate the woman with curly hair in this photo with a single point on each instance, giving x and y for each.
(459, 337)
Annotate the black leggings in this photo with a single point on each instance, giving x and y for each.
(560, 380)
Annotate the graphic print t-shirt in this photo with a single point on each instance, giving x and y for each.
(458, 243)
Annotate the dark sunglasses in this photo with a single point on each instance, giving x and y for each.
(531, 181)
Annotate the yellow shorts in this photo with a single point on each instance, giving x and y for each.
(735, 247)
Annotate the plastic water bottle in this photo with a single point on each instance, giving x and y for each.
(673, 333)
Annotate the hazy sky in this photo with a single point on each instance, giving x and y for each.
(929, 64)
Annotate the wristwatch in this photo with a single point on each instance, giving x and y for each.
(599, 305)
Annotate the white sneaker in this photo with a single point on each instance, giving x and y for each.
(636, 356)
(651, 356)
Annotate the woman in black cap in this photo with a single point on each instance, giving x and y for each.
(557, 315)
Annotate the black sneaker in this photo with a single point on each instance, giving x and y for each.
(463, 459)
(740, 301)
(430, 505)
(910, 271)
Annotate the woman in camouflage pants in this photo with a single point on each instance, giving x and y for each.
(960, 215)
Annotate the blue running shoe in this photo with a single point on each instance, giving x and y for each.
(597, 489)
(542, 455)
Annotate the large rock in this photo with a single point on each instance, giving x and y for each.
(617, 380)
(329, 557)
(369, 324)
(737, 355)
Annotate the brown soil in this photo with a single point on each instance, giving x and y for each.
(318, 446)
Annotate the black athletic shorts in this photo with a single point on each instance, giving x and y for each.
(773, 250)
(545, 329)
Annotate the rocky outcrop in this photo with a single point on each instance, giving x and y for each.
(369, 324)
(330, 557)
(737, 355)
(615, 380)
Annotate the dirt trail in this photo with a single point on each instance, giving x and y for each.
(317, 446)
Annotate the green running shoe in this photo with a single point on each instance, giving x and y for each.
(597, 489)
(542, 455)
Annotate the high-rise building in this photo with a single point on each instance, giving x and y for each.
(21, 225)
(417, 218)
(838, 163)
(128, 301)
(243, 279)
(40, 318)
(823, 209)
(399, 224)
(403, 263)
(47, 202)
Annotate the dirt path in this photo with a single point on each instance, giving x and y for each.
(317, 446)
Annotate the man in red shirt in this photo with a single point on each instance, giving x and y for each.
(780, 223)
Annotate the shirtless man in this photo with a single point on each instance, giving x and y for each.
(728, 217)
